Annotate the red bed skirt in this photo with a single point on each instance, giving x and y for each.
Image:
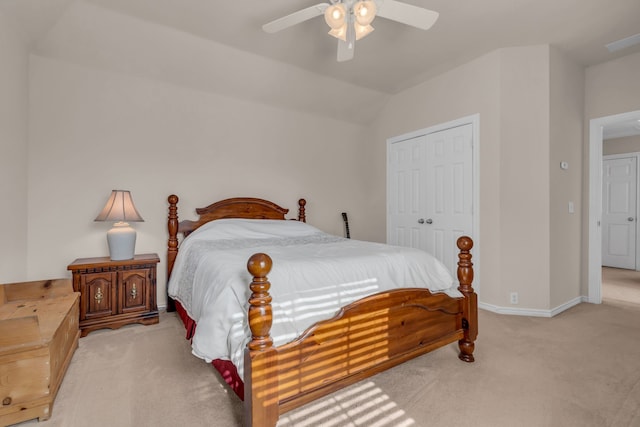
(227, 369)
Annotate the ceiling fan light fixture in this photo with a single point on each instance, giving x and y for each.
(365, 12)
(335, 15)
(350, 20)
(339, 33)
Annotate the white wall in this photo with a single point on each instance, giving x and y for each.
(13, 151)
(566, 122)
(524, 176)
(469, 89)
(528, 120)
(94, 130)
(626, 144)
(612, 87)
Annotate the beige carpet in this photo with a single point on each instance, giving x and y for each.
(620, 285)
(581, 368)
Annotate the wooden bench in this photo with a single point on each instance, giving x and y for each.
(38, 334)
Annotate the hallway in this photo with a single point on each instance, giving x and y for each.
(620, 285)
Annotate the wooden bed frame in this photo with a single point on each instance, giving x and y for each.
(365, 338)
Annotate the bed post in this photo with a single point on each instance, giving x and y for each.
(172, 244)
(470, 304)
(260, 357)
(301, 211)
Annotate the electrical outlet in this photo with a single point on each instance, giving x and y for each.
(514, 297)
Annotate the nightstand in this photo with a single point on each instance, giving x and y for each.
(115, 293)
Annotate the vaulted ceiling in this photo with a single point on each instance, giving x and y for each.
(394, 57)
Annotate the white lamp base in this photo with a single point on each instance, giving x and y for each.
(122, 241)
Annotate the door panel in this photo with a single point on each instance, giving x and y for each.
(406, 177)
(449, 191)
(619, 201)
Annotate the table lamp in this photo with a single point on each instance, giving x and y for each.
(122, 237)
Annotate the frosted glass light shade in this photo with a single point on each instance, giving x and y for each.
(334, 15)
(365, 12)
(339, 33)
(362, 30)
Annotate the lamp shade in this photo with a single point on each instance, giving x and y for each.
(122, 237)
(119, 207)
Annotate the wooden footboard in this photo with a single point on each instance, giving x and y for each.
(365, 338)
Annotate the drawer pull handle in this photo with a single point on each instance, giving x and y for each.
(134, 292)
(99, 296)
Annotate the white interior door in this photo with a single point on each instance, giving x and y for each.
(430, 192)
(619, 194)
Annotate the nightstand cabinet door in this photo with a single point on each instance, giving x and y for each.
(134, 290)
(98, 295)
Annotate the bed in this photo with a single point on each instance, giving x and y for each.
(283, 366)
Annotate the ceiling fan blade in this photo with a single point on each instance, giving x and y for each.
(295, 18)
(407, 14)
(347, 47)
(345, 51)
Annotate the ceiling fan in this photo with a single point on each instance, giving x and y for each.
(350, 20)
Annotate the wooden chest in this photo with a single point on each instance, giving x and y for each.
(38, 334)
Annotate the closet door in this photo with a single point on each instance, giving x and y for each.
(430, 192)
(406, 190)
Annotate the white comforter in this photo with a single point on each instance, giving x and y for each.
(313, 275)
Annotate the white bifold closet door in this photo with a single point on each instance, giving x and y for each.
(430, 192)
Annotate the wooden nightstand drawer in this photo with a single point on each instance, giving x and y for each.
(115, 293)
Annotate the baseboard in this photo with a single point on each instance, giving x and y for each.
(533, 312)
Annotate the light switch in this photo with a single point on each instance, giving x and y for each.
(571, 209)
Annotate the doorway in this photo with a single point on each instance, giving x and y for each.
(594, 230)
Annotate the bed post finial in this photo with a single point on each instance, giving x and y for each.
(470, 312)
(172, 243)
(301, 210)
(260, 312)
